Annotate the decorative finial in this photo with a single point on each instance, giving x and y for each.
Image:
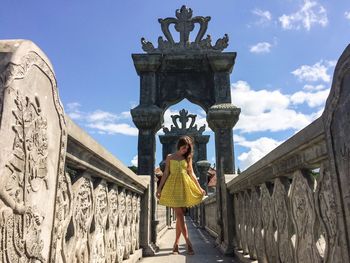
(184, 24)
(183, 118)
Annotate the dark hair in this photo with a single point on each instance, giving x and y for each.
(186, 140)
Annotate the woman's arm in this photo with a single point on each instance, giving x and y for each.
(165, 175)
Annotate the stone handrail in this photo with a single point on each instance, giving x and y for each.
(63, 197)
(290, 206)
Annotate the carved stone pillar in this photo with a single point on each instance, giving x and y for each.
(221, 119)
(203, 167)
(148, 120)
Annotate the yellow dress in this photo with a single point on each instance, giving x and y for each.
(179, 189)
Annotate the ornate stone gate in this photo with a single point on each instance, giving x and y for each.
(199, 72)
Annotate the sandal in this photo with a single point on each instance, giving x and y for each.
(176, 249)
(189, 249)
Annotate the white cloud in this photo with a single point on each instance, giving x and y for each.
(262, 47)
(309, 87)
(102, 122)
(257, 149)
(264, 16)
(347, 15)
(100, 115)
(264, 110)
(256, 102)
(310, 13)
(312, 99)
(134, 161)
(316, 72)
(114, 128)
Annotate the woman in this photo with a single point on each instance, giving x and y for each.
(179, 188)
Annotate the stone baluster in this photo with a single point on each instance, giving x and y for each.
(283, 220)
(249, 214)
(304, 217)
(268, 223)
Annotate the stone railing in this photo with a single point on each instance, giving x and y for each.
(293, 204)
(63, 197)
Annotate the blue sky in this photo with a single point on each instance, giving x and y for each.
(286, 53)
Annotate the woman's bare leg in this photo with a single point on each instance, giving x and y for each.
(178, 232)
(180, 219)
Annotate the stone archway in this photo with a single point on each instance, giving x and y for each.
(197, 71)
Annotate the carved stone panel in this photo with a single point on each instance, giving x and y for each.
(303, 214)
(327, 212)
(122, 220)
(283, 221)
(32, 143)
(249, 224)
(127, 225)
(113, 217)
(268, 224)
(337, 127)
(236, 209)
(64, 203)
(242, 225)
(133, 223)
(83, 211)
(257, 225)
(97, 237)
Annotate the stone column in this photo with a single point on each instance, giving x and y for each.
(203, 167)
(148, 120)
(221, 119)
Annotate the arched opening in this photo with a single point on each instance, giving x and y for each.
(200, 121)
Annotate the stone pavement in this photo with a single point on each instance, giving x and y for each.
(203, 245)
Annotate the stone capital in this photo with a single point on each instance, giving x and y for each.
(203, 165)
(222, 62)
(147, 117)
(145, 63)
(223, 116)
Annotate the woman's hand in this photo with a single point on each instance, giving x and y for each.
(158, 193)
(203, 191)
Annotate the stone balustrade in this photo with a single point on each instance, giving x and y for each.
(63, 197)
(293, 204)
(284, 205)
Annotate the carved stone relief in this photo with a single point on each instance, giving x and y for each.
(283, 222)
(113, 217)
(257, 225)
(327, 213)
(127, 225)
(83, 211)
(236, 209)
(97, 237)
(268, 224)
(249, 224)
(26, 176)
(242, 226)
(303, 214)
(122, 219)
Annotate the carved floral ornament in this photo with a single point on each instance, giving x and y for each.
(184, 23)
(183, 118)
